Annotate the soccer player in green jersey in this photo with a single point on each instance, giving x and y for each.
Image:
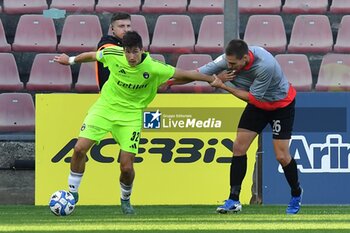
(133, 83)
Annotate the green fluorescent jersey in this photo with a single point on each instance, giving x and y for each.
(128, 89)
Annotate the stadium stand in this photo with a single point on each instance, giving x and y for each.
(9, 76)
(159, 57)
(211, 35)
(139, 24)
(340, 7)
(206, 6)
(4, 46)
(17, 112)
(311, 34)
(173, 34)
(192, 62)
(24, 6)
(49, 76)
(259, 6)
(305, 7)
(334, 73)
(342, 43)
(79, 6)
(87, 78)
(80, 33)
(164, 6)
(297, 69)
(266, 31)
(130, 6)
(35, 33)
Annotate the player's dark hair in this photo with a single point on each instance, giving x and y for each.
(120, 16)
(237, 48)
(132, 39)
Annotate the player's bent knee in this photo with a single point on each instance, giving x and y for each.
(283, 159)
(239, 150)
(79, 151)
(126, 169)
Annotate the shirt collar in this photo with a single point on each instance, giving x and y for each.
(251, 60)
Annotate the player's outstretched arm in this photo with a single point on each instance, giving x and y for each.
(64, 59)
(191, 75)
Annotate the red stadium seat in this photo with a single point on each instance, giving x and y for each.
(47, 75)
(173, 34)
(340, 7)
(80, 33)
(159, 57)
(305, 6)
(211, 35)
(87, 78)
(164, 6)
(342, 43)
(24, 6)
(192, 62)
(130, 6)
(139, 24)
(311, 34)
(266, 31)
(297, 69)
(206, 6)
(4, 46)
(35, 33)
(259, 6)
(9, 77)
(334, 74)
(74, 5)
(17, 113)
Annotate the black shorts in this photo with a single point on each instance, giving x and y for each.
(281, 120)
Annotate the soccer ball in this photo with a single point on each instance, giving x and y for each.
(62, 203)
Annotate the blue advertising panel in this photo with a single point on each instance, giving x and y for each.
(321, 147)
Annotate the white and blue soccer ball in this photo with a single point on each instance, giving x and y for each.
(62, 203)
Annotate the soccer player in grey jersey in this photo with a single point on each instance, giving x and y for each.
(257, 78)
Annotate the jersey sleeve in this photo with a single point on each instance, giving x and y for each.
(214, 67)
(164, 71)
(102, 55)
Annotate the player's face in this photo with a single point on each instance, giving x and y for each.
(120, 27)
(133, 55)
(233, 63)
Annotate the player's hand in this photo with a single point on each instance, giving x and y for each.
(63, 59)
(227, 75)
(217, 82)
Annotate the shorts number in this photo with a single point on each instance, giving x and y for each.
(135, 136)
(276, 127)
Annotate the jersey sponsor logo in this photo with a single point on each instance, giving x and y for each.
(151, 120)
(131, 86)
(122, 71)
(146, 75)
(330, 156)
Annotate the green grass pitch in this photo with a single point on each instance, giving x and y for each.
(106, 219)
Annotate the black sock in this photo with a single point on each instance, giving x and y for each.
(291, 174)
(237, 173)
